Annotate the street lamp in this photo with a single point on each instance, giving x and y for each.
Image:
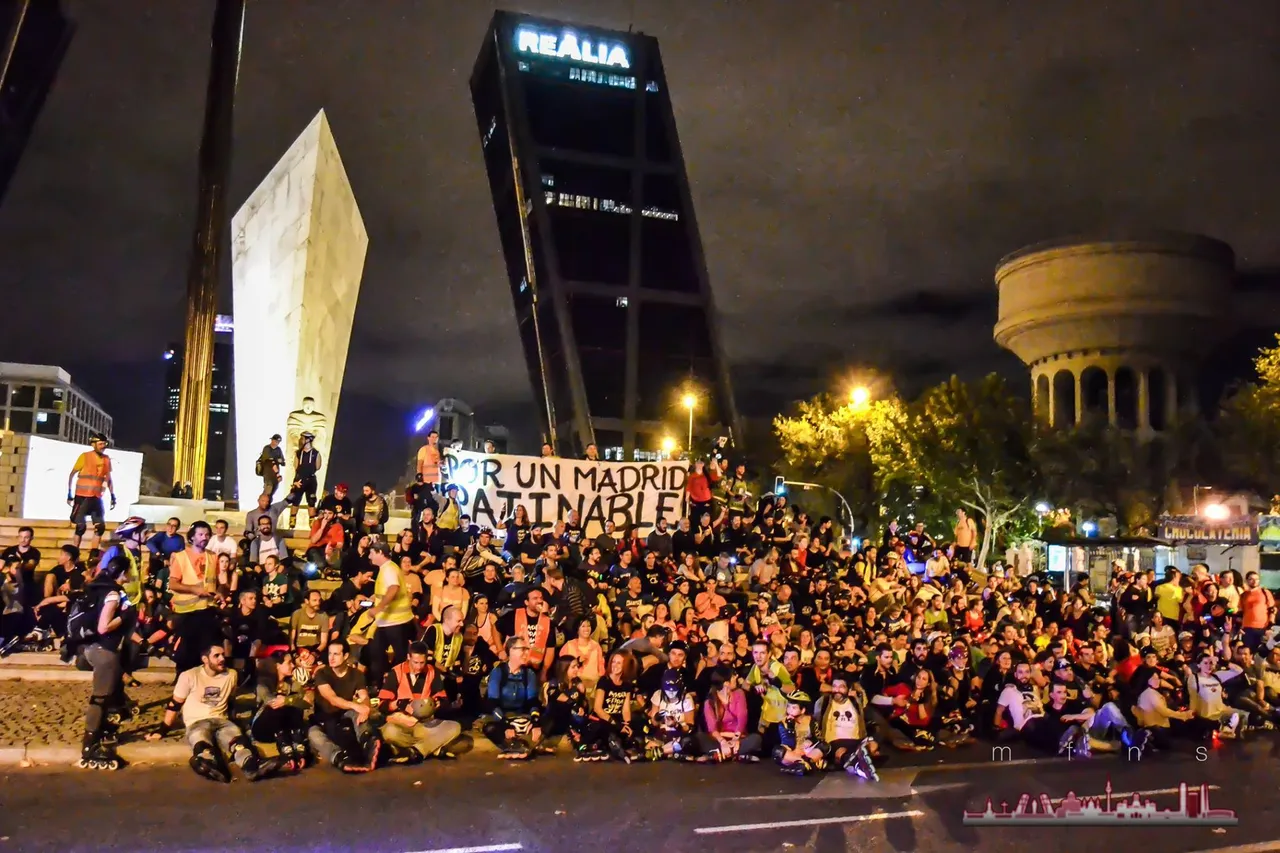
(690, 402)
(1217, 512)
(668, 445)
(860, 396)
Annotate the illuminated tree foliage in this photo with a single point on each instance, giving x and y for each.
(1250, 426)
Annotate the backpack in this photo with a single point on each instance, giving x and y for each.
(260, 468)
(83, 613)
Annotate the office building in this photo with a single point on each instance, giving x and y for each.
(216, 471)
(598, 235)
(40, 399)
(34, 35)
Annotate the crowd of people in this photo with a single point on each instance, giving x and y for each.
(745, 630)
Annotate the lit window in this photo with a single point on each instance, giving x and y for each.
(622, 302)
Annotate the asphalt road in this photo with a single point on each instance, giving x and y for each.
(481, 804)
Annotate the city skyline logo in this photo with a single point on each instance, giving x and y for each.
(1193, 809)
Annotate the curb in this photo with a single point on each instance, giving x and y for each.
(167, 752)
(31, 673)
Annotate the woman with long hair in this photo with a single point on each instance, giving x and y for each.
(725, 715)
(486, 622)
(587, 652)
(610, 724)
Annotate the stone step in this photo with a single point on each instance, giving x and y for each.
(66, 672)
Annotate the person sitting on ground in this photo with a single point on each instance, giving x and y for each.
(203, 696)
(309, 626)
(839, 723)
(513, 700)
(343, 734)
(798, 752)
(409, 697)
(283, 703)
(725, 715)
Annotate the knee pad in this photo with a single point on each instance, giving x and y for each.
(80, 528)
(99, 528)
(100, 701)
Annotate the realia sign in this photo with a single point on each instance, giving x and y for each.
(571, 45)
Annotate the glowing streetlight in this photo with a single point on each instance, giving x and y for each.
(690, 402)
(1217, 512)
(1043, 508)
(668, 445)
(860, 396)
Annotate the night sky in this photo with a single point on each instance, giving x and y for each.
(857, 170)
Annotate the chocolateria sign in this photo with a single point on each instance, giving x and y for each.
(490, 486)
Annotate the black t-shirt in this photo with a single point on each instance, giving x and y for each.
(616, 697)
(345, 687)
(517, 535)
(243, 631)
(74, 577)
(346, 591)
(28, 559)
(1136, 602)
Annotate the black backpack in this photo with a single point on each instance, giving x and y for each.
(83, 613)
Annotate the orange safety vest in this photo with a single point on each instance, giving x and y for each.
(538, 648)
(93, 469)
(181, 561)
(404, 693)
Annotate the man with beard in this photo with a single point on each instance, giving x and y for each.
(816, 679)
(838, 723)
(1019, 711)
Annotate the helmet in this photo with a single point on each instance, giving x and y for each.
(97, 436)
(672, 682)
(132, 527)
(799, 697)
(307, 435)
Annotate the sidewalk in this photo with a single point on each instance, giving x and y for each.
(43, 721)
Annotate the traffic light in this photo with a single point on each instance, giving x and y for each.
(779, 485)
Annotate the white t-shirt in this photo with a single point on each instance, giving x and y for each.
(1021, 704)
(1206, 698)
(843, 722)
(208, 696)
(222, 545)
(671, 712)
(267, 548)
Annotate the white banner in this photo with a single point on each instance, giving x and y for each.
(490, 486)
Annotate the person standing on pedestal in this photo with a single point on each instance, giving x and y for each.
(306, 464)
(270, 464)
(429, 462)
(305, 419)
(90, 478)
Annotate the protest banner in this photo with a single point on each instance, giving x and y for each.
(490, 486)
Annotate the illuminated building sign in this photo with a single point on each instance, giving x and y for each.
(223, 323)
(570, 45)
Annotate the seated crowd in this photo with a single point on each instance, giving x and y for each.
(746, 630)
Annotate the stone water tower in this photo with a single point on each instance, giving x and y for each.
(1115, 328)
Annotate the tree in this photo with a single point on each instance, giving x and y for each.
(1101, 471)
(967, 444)
(1250, 425)
(826, 442)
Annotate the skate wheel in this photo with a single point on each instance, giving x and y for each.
(82, 764)
(113, 764)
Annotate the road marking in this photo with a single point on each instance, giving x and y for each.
(1259, 847)
(821, 821)
(485, 848)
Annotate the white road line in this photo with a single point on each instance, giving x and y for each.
(485, 848)
(822, 821)
(1259, 847)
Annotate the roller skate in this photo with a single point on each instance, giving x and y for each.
(859, 763)
(403, 756)
(256, 769)
(618, 750)
(100, 755)
(301, 750)
(10, 647)
(288, 756)
(207, 763)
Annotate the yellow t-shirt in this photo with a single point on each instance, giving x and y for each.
(400, 610)
(1169, 600)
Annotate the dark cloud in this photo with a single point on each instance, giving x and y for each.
(858, 170)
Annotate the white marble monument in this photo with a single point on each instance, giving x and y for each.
(298, 249)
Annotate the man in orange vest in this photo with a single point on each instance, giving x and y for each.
(429, 461)
(90, 476)
(193, 579)
(532, 623)
(410, 695)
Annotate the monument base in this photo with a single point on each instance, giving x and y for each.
(158, 511)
